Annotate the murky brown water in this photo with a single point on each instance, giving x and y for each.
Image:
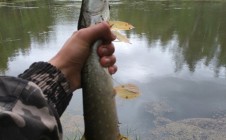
(177, 57)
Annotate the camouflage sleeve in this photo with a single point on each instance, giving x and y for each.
(24, 112)
(52, 83)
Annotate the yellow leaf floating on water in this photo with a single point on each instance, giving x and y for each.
(121, 137)
(120, 25)
(127, 91)
(121, 37)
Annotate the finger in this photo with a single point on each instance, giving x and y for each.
(106, 50)
(99, 31)
(107, 61)
(113, 69)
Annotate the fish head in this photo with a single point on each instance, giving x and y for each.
(93, 12)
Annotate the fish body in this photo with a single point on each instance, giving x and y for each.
(100, 115)
(101, 121)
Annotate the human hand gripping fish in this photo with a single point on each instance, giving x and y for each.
(72, 56)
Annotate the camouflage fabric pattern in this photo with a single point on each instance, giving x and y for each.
(52, 82)
(24, 112)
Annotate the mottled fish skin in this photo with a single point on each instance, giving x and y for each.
(101, 121)
(100, 115)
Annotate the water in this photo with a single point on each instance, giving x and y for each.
(177, 57)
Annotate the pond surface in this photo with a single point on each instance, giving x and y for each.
(177, 58)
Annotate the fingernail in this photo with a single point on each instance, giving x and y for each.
(107, 61)
(103, 51)
(112, 70)
(113, 36)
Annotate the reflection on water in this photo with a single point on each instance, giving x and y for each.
(17, 26)
(200, 34)
(177, 60)
(177, 56)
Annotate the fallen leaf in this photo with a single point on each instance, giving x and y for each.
(121, 37)
(121, 137)
(127, 91)
(120, 25)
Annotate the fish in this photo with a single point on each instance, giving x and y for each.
(99, 106)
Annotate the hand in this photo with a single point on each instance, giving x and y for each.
(71, 58)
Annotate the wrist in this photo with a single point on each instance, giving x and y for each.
(70, 72)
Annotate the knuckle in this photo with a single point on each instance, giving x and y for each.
(80, 34)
